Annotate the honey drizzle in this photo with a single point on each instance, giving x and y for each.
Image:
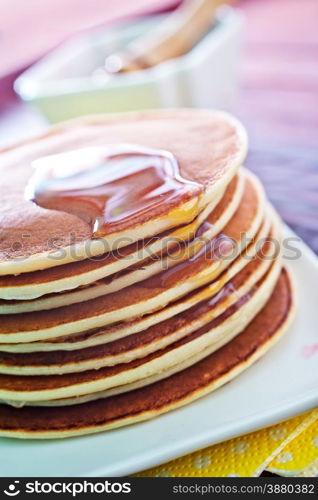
(108, 185)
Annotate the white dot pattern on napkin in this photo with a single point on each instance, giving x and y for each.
(278, 434)
(284, 457)
(201, 462)
(240, 447)
(163, 473)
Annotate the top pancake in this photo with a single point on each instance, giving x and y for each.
(209, 147)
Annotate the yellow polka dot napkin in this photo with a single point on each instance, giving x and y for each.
(288, 449)
(300, 455)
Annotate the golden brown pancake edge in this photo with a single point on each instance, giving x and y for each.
(164, 395)
(220, 136)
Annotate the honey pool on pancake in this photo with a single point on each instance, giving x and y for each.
(108, 184)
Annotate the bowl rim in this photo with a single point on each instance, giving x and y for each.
(29, 85)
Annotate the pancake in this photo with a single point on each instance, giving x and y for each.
(31, 285)
(148, 341)
(129, 327)
(208, 146)
(149, 295)
(166, 395)
(199, 343)
(221, 338)
(98, 336)
(210, 226)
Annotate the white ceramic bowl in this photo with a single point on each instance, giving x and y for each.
(61, 85)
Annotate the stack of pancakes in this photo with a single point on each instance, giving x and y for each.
(162, 308)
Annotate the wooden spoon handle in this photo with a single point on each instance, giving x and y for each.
(172, 38)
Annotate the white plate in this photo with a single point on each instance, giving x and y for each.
(280, 385)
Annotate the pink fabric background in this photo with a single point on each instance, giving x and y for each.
(29, 28)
